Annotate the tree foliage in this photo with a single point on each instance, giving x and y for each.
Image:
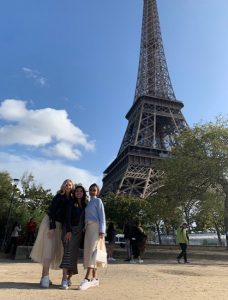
(34, 197)
(122, 208)
(31, 201)
(198, 164)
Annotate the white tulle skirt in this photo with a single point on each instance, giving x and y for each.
(46, 249)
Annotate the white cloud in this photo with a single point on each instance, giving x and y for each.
(35, 75)
(63, 150)
(50, 174)
(13, 110)
(41, 127)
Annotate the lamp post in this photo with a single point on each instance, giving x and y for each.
(15, 183)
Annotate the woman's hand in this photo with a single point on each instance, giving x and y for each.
(51, 233)
(68, 236)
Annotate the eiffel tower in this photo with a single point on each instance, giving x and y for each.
(153, 120)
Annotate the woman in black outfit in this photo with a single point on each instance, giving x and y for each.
(72, 235)
(138, 241)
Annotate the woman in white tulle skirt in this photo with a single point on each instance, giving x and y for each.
(48, 249)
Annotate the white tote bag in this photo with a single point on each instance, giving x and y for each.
(101, 254)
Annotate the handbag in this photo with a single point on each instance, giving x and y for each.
(100, 252)
(101, 256)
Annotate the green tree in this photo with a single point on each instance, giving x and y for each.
(32, 201)
(163, 213)
(34, 196)
(6, 193)
(198, 163)
(210, 213)
(122, 208)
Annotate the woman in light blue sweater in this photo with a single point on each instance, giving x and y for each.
(95, 232)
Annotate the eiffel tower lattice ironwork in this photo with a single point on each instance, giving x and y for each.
(153, 120)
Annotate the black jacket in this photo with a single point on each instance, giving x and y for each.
(57, 210)
(74, 216)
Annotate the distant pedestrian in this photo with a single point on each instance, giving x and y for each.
(31, 232)
(12, 247)
(138, 241)
(182, 240)
(127, 236)
(111, 238)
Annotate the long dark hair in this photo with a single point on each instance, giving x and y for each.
(84, 197)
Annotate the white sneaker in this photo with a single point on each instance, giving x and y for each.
(85, 284)
(140, 261)
(111, 259)
(45, 282)
(132, 261)
(50, 282)
(64, 284)
(95, 282)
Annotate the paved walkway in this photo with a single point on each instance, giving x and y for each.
(206, 277)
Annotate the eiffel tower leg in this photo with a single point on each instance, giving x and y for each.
(147, 183)
(120, 185)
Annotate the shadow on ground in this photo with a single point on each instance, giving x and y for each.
(19, 285)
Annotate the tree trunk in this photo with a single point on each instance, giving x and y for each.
(186, 213)
(218, 234)
(159, 234)
(225, 189)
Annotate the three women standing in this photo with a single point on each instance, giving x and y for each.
(60, 233)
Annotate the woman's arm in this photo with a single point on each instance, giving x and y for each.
(52, 211)
(102, 220)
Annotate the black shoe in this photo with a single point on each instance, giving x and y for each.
(187, 262)
(127, 259)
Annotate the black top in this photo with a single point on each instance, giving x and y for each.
(128, 231)
(74, 215)
(57, 210)
(111, 235)
(138, 234)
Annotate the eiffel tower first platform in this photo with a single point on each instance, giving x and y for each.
(153, 120)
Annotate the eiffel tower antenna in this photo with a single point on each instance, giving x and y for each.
(153, 76)
(153, 120)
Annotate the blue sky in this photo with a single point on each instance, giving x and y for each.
(68, 75)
